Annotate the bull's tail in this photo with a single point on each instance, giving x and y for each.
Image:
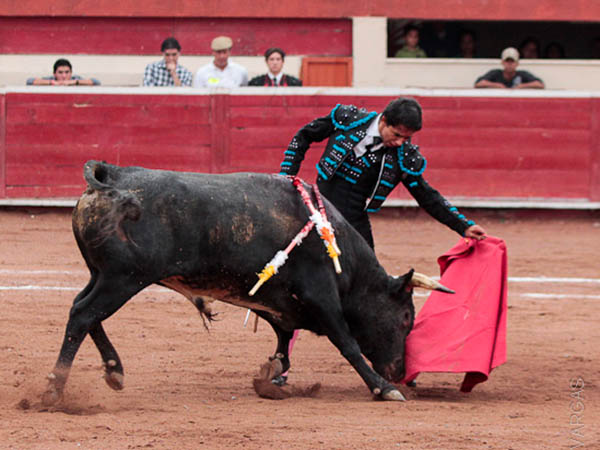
(124, 205)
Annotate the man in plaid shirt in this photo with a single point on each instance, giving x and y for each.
(167, 72)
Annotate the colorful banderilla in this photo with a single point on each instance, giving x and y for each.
(323, 226)
(280, 258)
(318, 218)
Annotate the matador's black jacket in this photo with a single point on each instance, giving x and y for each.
(375, 174)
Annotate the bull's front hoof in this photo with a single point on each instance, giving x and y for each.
(393, 395)
(114, 380)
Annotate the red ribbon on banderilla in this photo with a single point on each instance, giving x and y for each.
(318, 219)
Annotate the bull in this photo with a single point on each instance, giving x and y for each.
(206, 236)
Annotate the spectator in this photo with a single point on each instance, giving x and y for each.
(411, 48)
(167, 72)
(63, 76)
(221, 72)
(530, 48)
(509, 77)
(439, 40)
(554, 51)
(466, 44)
(275, 76)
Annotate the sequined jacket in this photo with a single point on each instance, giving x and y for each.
(345, 127)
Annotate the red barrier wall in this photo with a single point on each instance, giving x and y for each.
(476, 147)
(143, 36)
(2, 147)
(582, 10)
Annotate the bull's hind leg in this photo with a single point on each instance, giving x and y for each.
(104, 298)
(282, 350)
(113, 369)
(283, 347)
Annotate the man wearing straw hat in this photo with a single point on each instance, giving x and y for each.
(221, 72)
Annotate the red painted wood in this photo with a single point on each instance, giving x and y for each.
(595, 150)
(582, 10)
(143, 36)
(99, 135)
(220, 132)
(524, 148)
(45, 191)
(152, 115)
(323, 71)
(2, 146)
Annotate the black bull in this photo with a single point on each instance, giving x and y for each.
(206, 237)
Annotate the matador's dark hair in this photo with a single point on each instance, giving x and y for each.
(404, 111)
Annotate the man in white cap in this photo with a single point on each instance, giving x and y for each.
(221, 72)
(509, 77)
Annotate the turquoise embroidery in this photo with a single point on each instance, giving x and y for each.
(286, 163)
(321, 173)
(404, 169)
(340, 137)
(348, 179)
(354, 124)
(289, 152)
(354, 138)
(413, 184)
(339, 149)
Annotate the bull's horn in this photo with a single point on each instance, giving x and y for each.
(420, 280)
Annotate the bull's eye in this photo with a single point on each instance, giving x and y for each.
(406, 319)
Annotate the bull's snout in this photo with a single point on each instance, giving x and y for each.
(395, 371)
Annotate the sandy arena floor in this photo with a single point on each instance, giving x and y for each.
(188, 388)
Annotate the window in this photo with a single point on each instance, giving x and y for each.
(573, 40)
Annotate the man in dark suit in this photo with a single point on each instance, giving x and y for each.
(275, 77)
(366, 157)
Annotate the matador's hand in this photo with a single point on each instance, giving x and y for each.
(475, 232)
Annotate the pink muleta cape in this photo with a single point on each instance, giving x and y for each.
(464, 332)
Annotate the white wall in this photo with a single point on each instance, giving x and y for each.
(457, 73)
(372, 68)
(117, 70)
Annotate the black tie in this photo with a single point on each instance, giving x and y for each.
(376, 141)
(274, 81)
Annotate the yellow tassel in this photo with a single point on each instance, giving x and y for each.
(331, 251)
(334, 256)
(266, 273)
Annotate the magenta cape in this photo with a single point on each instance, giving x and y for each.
(464, 332)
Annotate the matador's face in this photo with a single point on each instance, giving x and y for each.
(394, 136)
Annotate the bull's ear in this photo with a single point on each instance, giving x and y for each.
(402, 283)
